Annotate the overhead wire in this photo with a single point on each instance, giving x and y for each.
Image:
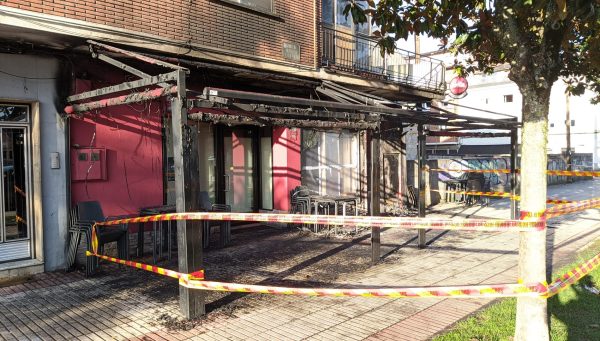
(25, 77)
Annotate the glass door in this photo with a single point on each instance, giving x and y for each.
(15, 218)
(240, 145)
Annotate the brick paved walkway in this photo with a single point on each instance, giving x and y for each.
(124, 304)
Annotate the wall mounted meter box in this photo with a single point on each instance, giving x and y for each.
(88, 164)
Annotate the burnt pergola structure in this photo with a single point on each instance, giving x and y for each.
(350, 109)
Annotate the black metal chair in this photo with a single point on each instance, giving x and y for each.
(300, 200)
(475, 182)
(225, 226)
(83, 217)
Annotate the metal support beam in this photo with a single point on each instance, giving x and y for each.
(374, 141)
(514, 181)
(189, 233)
(124, 99)
(138, 56)
(466, 134)
(150, 80)
(223, 103)
(280, 122)
(216, 102)
(120, 65)
(422, 238)
(424, 117)
(124, 66)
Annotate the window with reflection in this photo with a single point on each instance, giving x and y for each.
(327, 11)
(14, 113)
(14, 183)
(330, 162)
(332, 12)
(259, 5)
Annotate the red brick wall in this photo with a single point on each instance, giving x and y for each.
(207, 22)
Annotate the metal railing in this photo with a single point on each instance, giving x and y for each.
(360, 54)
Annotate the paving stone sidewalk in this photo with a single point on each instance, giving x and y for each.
(118, 306)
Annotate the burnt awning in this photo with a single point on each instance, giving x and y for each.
(349, 107)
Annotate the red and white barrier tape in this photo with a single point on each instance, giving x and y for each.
(572, 207)
(199, 275)
(573, 276)
(508, 171)
(469, 291)
(363, 221)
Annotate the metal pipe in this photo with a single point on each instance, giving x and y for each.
(467, 134)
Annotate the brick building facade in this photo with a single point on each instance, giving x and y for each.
(273, 47)
(218, 24)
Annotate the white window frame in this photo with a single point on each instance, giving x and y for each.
(270, 10)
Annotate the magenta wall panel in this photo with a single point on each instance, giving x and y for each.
(131, 137)
(286, 165)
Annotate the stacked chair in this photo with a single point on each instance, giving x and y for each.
(300, 200)
(83, 216)
(225, 226)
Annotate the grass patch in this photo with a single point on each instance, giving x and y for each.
(575, 313)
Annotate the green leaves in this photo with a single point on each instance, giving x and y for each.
(358, 13)
(541, 39)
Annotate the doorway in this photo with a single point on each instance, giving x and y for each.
(235, 166)
(239, 168)
(15, 215)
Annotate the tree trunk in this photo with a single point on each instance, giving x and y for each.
(532, 317)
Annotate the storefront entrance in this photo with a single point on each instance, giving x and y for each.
(15, 217)
(240, 167)
(236, 166)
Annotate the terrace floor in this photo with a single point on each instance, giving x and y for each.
(126, 304)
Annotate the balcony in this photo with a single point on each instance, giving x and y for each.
(360, 55)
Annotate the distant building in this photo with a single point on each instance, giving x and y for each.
(497, 93)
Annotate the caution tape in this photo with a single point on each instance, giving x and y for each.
(361, 221)
(500, 195)
(196, 281)
(492, 291)
(199, 275)
(20, 219)
(19, 191)
(572, 207)
(485, 194)
(508, 171)
(495, 171)
(557, 201)
(573, 276)
(529, 216)
(573, 173)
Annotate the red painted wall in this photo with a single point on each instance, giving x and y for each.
(286, 165)
(133, 140)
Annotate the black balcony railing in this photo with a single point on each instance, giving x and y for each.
(361, 55)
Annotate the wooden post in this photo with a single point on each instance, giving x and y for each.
(189, 233)
(422, 238)
(514, 182)
(374, 198)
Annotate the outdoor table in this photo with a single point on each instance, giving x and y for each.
(323, 200)
(345, 200)
(334, 200)
(149, 211)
